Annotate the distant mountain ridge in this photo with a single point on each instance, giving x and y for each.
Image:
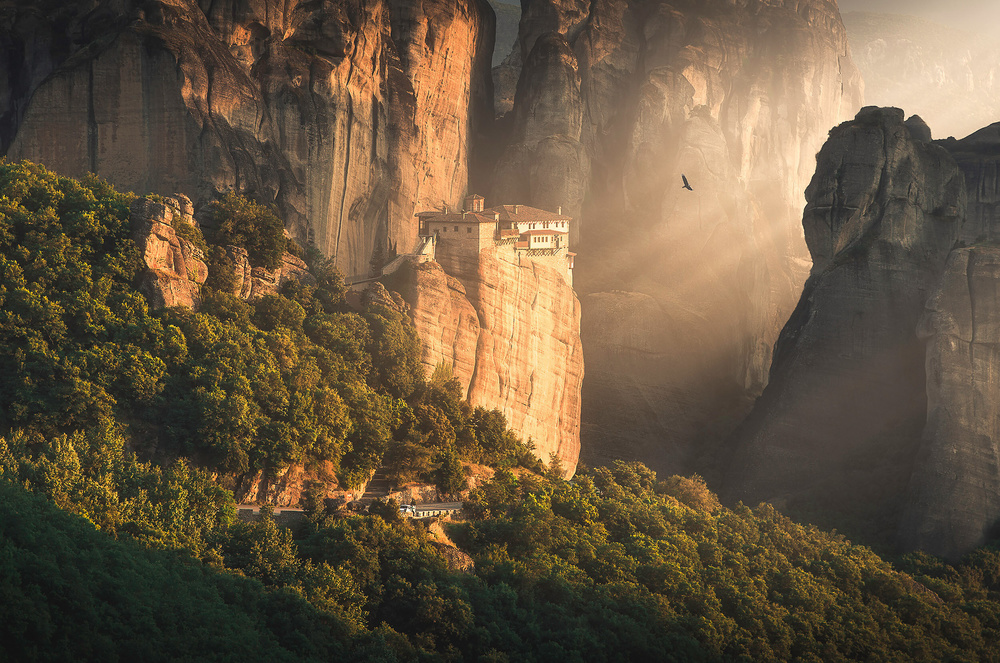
(951, 78)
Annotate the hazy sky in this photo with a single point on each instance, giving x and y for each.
(980, 15)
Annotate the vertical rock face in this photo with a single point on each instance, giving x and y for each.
(615, 101)
(349, 114)
(509, 327)
(955, 491)
(836, 433)
(954, 501)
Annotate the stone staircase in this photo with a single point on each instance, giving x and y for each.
(378, 488)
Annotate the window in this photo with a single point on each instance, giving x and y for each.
(456, 228)
(468, 230)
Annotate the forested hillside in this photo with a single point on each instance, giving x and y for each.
(119, 427)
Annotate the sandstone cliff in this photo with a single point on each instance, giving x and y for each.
(836, 434)
(615, 100)
(509, 328)
(349, 114)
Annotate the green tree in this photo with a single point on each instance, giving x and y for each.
(239, 221)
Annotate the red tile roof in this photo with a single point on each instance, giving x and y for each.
(525, 214)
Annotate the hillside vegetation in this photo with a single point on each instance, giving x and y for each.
(117, 541)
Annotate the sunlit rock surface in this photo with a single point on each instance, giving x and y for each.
(175, 268)
(349, 114)
(256, 282)
(510, 328)
(617, 99)
(835, 436)
(949, 77)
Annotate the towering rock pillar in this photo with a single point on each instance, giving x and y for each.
(835, 436)
(683, 292)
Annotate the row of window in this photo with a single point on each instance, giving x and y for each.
(468, 229)
(545, 225)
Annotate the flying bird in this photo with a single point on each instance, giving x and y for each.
(686, 185)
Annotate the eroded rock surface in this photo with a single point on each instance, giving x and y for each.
(615, 101)
(175, 268)
(256, 282)
(510, 329)
(348, 114)
(836, 434)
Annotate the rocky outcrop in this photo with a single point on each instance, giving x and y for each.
(508, 327)
(175, 268)
(615, 100)
(348, 114)
(256, 282)
(835, 437)
(949, 77)
(978, 156)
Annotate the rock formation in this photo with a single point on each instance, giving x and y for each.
(509, 328)
(835, 436)
(954, 501)
(615, 100)
(955, 492)
(255, 282)
(949, 77)
(175, 268)
(348, 114)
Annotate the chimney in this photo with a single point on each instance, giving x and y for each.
(559, 210)
(516, 208)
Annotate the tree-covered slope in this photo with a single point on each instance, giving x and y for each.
(70, 593)
(127, 424)
(239, 387)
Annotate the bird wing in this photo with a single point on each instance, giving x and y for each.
(685, 179)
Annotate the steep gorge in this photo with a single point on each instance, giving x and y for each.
(683, 292)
